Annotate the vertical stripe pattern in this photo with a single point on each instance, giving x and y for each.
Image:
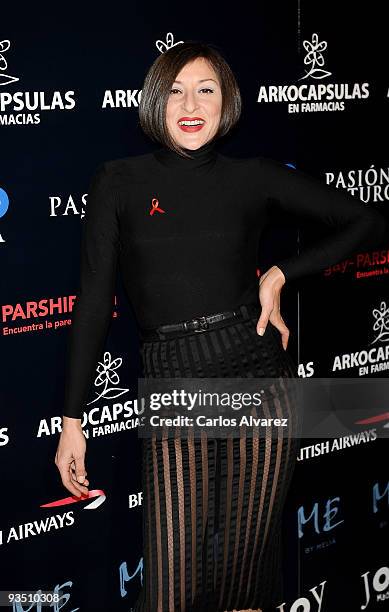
(213, 506)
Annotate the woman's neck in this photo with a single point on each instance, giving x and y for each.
(203, 158)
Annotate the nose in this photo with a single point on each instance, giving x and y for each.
(189, 103)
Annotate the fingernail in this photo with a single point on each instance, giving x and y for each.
(81, 478)
(261, 331)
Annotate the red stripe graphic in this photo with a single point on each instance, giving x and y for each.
(375, 419)
(98, 493)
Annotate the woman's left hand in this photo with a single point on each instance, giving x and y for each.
(270, 286)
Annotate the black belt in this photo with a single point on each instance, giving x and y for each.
(198, 324)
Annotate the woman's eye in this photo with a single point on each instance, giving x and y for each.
(174, 89)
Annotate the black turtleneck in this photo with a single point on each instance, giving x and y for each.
(203, 158)
(196, 252)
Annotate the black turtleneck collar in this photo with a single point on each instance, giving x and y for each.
(203, 158)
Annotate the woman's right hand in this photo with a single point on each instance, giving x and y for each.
(70, 457)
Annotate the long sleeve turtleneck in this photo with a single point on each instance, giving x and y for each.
(185, 233)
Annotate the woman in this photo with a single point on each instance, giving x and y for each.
(183, 222)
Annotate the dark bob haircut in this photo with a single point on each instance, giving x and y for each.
(159, 81)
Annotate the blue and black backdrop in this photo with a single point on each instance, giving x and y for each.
(314, 91)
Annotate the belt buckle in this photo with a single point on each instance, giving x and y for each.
(202, 322)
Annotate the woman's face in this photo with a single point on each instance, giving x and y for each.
(194, 95)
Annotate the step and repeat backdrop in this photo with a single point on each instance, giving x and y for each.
(314, 95)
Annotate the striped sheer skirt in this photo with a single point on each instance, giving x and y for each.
(212, 507)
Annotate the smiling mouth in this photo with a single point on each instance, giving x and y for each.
(191, 122)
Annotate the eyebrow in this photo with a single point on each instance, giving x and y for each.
(200, 81)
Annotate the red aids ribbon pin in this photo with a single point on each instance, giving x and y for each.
(154, 203)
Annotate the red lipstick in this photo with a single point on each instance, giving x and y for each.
(191, 128)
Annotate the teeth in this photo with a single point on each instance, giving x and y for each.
(195, 122)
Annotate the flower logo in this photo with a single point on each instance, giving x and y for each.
(164, 46)
(381, 323)
(5, 79)
(107, 377)
(315, 57)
